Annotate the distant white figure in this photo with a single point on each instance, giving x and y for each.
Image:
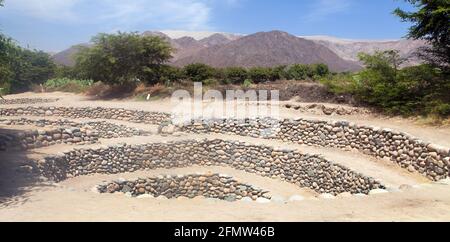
(148, 97)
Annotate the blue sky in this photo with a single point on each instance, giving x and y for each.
(54, 25)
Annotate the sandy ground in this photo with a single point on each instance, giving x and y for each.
(29, 199)
(436, 135)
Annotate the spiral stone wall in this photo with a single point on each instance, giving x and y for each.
(304, 170)
(413, 154)
(410, 153)
(190, 186)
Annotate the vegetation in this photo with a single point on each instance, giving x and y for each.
(68, 85)
(422, 89)
(122, 58)
(199, 72)
(431, 23)
(260, 74)
(407, 91)
(235, 75)
(21, 68)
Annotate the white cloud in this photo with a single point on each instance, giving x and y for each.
(44, 9)
(184, 14)
(322, 9)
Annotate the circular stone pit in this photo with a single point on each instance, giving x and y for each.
(304, 170)
(190, 186)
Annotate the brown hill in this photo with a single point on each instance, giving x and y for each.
(218, 39)
(66, 57)
(268, 49)
(349, 49)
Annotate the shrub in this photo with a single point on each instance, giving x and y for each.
(211, 82)
(167, 75)
(277, 73)
(247, 83)
(320, 70)
(235, 75)
(67, 85)
(21, 68)
(123, 58)
(341, 83)
(412, 90)
(260, 74)
(199, 72)
(300, 72)
(66, 72)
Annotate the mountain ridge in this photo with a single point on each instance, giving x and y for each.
(192, 47)
(268, 49)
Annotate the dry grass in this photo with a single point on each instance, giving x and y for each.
(103, 91)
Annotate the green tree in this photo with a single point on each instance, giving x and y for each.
(431, 23)
(279, 72)
(260, 74)
(170, 74)
(300, 72)
(5, 68)
(21, 68)
(235, 75)
(30, 67)
(123, 57)
(406, 91)
(320, 70)
(199, 72)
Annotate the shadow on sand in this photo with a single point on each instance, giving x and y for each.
(18, 176)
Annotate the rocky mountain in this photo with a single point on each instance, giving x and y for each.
(349, 49)
(66, 57)
(268, 49)
(188, 45)
(218, 39)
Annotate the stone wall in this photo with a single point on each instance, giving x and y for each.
(410, 153)
(103, 129)
(304, 170)
(7, 140)
(86, 112)
(31, 139)
(26, 101)
(189, 186)
(326, 109)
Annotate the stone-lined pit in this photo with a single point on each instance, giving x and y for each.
(410, 153)
(27, 101)
(310, 171)
(190, 186)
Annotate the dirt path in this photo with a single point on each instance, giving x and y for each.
(73, 200)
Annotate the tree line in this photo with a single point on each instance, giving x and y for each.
(20, 68)
(128, 57)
